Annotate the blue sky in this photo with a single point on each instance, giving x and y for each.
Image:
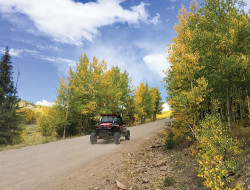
(47, 37)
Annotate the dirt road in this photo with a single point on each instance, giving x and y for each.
(69, 164)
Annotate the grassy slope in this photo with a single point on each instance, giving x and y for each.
(164, 114)
(30, 136)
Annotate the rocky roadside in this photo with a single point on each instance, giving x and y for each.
(154, 167)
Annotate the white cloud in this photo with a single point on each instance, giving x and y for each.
(157, 63)
(140, 10)
(69, 62)
(70, 22)
(15, 52)
(126, 58)
(172, 0)
(20, 52)
(166, 107)
(155, 20)
(31, 52)
(118, 55)
(62, 64)
(44, 103)
(151, 46)
(170, 8)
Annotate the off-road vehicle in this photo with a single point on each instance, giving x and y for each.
(110, 126)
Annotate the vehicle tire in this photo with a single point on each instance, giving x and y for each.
(93, 138)
(117, 138)
(127, 135)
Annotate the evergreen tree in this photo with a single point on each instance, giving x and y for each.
(9, 120)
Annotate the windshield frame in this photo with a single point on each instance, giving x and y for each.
(107, 118)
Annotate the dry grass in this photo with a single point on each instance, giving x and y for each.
(164, 114)
(30, 136)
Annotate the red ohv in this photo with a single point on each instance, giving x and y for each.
(110, 126)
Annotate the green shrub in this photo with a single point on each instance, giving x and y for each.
(46, 121)
(169, 142)
(169, 181)
(217, 155)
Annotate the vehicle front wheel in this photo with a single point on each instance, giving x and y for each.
(127, 135)
(117, 138)
(93, 138)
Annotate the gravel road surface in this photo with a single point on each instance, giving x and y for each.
(68, 164)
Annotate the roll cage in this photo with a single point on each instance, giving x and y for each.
(111, 118)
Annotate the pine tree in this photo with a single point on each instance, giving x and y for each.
(9, 119)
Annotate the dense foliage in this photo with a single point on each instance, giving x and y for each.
(29, 115)
(217, 154)
(92, 89)
(210, 63)
(148, 102)
(210, 75)
(9, 119)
